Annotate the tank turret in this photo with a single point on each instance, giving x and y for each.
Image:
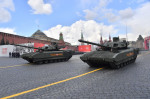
(53, 47)
(114, 54)
(110, 46)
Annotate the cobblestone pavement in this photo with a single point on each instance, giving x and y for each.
(130, 82)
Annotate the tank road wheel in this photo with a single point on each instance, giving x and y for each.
(118, 66)
(50, 61)
(127, 62)
(91, 65)
(54, 61)
(134, 60)
(66, 59)
(124, 64)
(39, 62)
(63, 60)
(46, 61)
(114, 66)
(130, 61)
(42, 62)
(121, 65)
(30, 61)
(58, 60)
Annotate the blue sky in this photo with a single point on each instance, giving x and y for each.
(93, 17)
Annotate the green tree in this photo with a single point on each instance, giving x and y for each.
(7, 42)
(12, 41)
(2, 41)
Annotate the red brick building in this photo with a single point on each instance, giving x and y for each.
(16, 39)
(37, 37)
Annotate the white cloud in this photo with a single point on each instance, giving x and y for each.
(89, 15)
(130, 36)
(140, 1)
(87, 3)
(91, 31)
(8, 30)
(120, 1)
(111, 17)
(39, 7)
(5, 15)
(98, 12)
(126, 13)
(104, 3)
(137, 20)
(140, 22)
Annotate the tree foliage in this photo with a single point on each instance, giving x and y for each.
(2, 41)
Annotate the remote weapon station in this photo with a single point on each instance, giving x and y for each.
(50, 53)
(115, 54)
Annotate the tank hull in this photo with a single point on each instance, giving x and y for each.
(108, 58)
(47, 56)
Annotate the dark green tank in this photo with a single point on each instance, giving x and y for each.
(114, 54)
(50, 53)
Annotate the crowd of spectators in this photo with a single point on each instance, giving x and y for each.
(14, 54)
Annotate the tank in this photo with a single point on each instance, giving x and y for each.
(45, 54)
(114, 54)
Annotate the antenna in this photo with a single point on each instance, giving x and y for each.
(38, 27)
(101, 32)
(37, 23)
(126, 33)
(101, 39)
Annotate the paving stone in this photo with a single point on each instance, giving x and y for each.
(130, 82)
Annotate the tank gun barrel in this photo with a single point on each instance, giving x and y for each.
(25, 46)
(54, 47)
(57, 47)
(91, 43)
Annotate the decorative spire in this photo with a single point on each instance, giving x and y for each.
(109, 38)
(101, 38)
(82, 38)
(82, 35)
(61, 37)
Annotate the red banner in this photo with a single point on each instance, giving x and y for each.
(147, 43)
(84, 48)
(37, 45)
(4, 50)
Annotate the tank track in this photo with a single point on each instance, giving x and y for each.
(113, 65)
(120, 65)
(49, 61)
